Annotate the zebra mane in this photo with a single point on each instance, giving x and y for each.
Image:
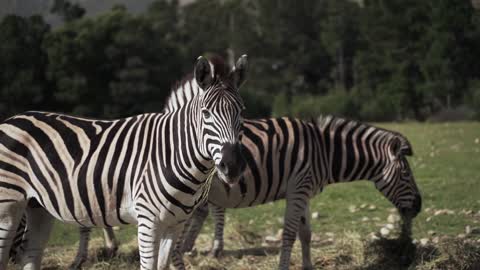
(331, 122)
(185, 89)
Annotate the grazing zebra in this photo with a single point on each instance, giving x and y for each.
(149, 169)
(294, 160)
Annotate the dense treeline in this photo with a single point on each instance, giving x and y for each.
(382, 60)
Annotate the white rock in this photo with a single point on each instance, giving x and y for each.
(424, 241)
(384, 231)
(461, 236)
(116, 228)
(352, 209)
(272, 239)
(316, 238)
(428, 219)
(468, 229)
(372, 207)
(436, 239)
(390, 226)
(329, 234)
(392, 210)
(365, 219)
(393, 218)
(431, 233)
(376, 219)
(363, 205)
(374, 236)
(477, 140)
(315, 215)
(414, 241)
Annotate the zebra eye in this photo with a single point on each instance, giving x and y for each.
(206, 114)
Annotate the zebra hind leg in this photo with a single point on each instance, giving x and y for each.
(194, 227)
(39, 224)
(295, 209)
(219, 220)
(82, 251)
(11, 212)
(111, 243)
(305, 236)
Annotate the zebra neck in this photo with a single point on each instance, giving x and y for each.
(353, 152)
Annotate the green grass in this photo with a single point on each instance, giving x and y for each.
(446, 165)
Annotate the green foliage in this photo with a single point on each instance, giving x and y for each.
(23, 84)
(121, 64)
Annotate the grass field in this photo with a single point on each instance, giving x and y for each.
(446, 165)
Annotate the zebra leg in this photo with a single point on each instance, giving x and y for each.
(111, 243)
(39, 224)
(305, 236)
(16, 248)
(82, 252)
(219, 220)
(148, 236)
(196, 222)
(11, 213)
(168, 241)
(177, 254)
(295, 209)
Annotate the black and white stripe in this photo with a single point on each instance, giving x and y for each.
(294, 160)
(148, 169)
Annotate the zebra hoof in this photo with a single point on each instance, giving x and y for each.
(216, 253)
(108, 253)
(191, 253)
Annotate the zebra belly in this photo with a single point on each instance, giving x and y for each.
(250, 194)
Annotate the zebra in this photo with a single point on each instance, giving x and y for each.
(149, 169)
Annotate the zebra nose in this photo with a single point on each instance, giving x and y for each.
(417, 203)
(222, 166)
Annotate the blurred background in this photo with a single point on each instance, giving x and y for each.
(372, 60)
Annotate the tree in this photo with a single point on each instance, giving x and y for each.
(23, 84)
(114, 65)
(67, 10)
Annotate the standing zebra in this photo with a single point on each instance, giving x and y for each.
(148, 169)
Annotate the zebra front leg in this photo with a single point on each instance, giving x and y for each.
(219, 220)
(295, 209)
(82, 251)
(305, 236)
(111, 243)
(196, 222)
(148, 236)
(11, 213)
(39, 225)
(169, 239)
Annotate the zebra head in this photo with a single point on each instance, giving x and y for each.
(220, 107)
(396, 181)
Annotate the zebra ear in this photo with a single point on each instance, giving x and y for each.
(400, 147)
(239, 72)
(203, 73)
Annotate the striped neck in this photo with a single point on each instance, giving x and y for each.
(353, 150)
